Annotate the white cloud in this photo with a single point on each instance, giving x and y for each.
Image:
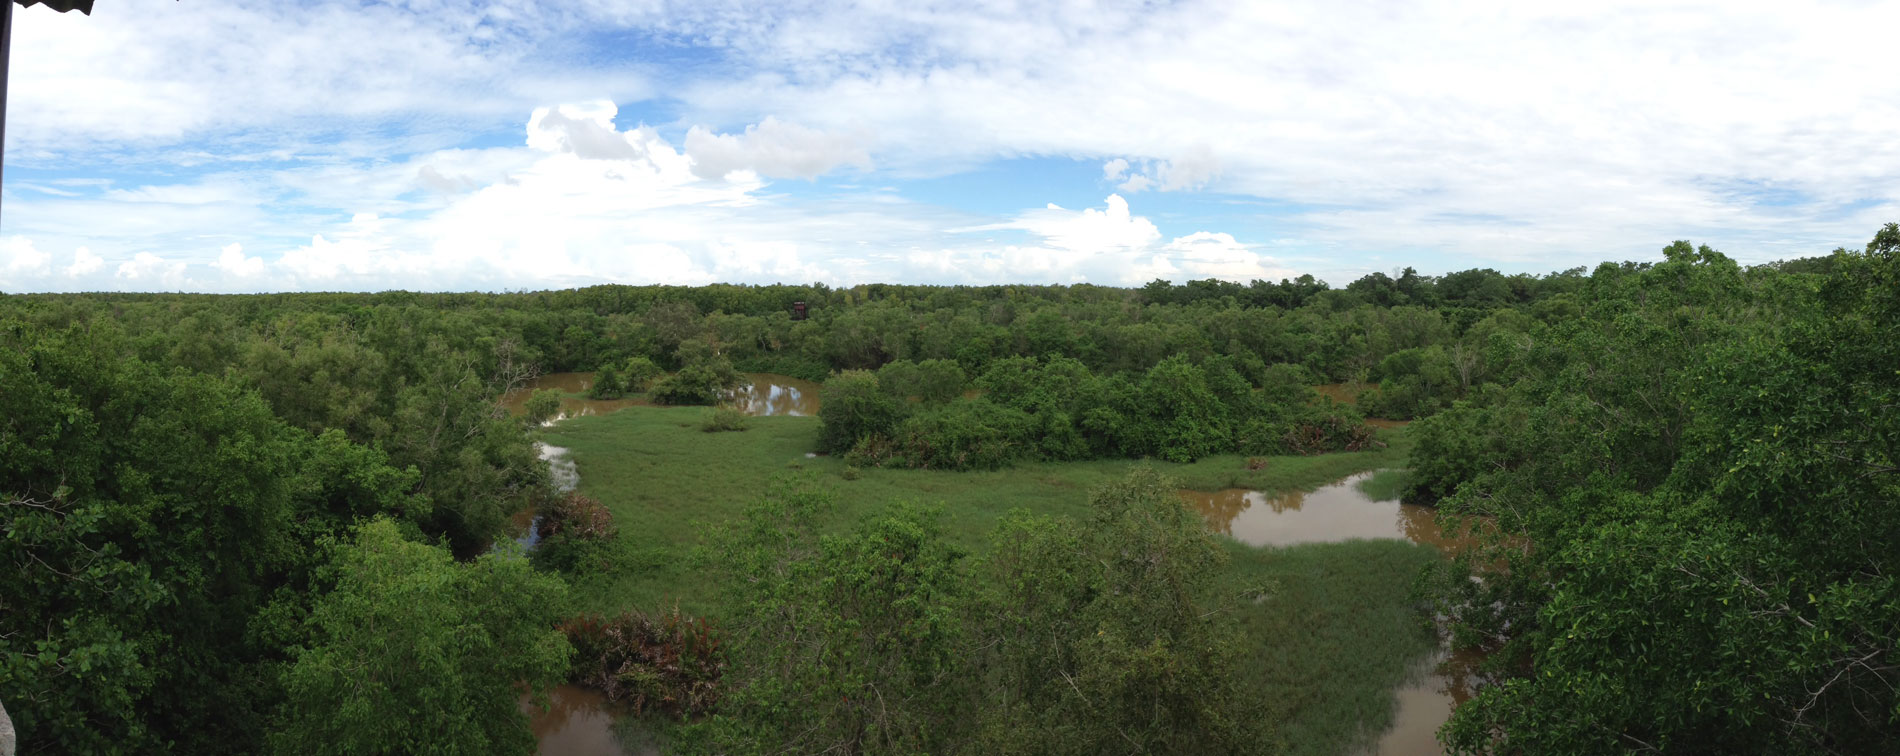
(146, 72)
(84, 263)
(1205, 254)
(773, 148)
(1531, 136)
(149, 272)
(232, 261)
(19, 259)
(1193, 169)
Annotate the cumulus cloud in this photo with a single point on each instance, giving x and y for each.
(1206, 254)
(586, 130)
(774, 149)
(19, 259)
(149, 272)
(1110, 245)
(1532, 139)
(84, 263)
(232, 261)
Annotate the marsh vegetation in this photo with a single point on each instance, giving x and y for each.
(1643, 506)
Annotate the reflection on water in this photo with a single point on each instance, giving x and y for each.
(1339, 512)
(579, 722)
(1342, 512)
(1439, 684)
(767, 394)
(773, 394)
(526, 524)
(571, 406)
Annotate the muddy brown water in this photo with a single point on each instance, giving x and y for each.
(1436, 686)
(773, 394)
(1337, 512)
(764, 394)
(571, 406)
(578, 722)
(1343, 512)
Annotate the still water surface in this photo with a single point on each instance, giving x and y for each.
(1337, 512)
(764, 394)
(773, 394)
(1343, 512)
(579, 722)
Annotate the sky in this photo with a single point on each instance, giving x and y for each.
(500, 145)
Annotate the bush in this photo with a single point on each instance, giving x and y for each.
(670, 664)
(1305, 430)
(930, 381)
(966, 435)
(607, 384)
(855, 407)
(577, 532)
(641, 373)
(542, 406)
(697, 384)
(723, 419)
(577, 516)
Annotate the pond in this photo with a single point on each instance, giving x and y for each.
(763, 394)
(773, 394)
(1337, 512)
(1341, 512)
(579, 722)
(571, 406)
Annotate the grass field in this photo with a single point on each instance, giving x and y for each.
(1335, 635)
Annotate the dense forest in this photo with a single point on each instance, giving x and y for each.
(270, 522)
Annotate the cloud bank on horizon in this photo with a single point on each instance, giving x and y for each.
(509, 144)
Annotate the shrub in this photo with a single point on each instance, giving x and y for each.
(697, 384)
(965, 435)
(577, 516)
(670, 664)
(640, 374)
(723, 419)
(542, 405)
(607, 384)
(854, 407)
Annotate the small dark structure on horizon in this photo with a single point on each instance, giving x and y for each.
(798, 311)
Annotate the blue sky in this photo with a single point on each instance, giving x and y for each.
(507, 144)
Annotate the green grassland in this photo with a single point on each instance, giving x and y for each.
(1335, 634)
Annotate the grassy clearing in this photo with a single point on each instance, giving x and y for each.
(1335, 636)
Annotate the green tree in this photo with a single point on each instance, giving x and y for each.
(146, 514)
(855, 407)
(1174, 415)
(845, 643)
(416, 653)
(1107, 636)
(1677, 477)
(641, 373)
(607, 384)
